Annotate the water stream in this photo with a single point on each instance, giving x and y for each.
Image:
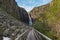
(29, 5)
(30, 19)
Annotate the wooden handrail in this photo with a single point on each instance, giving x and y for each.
(40, 34)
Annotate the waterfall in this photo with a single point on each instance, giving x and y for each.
(30, 20)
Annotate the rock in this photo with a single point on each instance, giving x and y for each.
(24, 15)
(10, 25)
(12, 8)
(51, 15)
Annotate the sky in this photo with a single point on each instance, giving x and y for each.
(30, 4)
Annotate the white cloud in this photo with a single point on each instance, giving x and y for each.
(27, 8)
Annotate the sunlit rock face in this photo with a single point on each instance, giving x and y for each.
(35, 12)
(29, 5)
(12, 8)
(51, 14)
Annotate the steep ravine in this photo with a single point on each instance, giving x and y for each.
(47, 18)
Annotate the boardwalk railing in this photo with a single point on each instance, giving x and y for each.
(39, 36)
(23, 36)
(42, 36)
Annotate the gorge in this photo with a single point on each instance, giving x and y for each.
(16, 22)
(29, 5)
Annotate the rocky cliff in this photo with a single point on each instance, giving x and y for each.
(12, 8)
(49, 17)
(9, 25)
(35, 12)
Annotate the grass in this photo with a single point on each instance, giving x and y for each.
(38, 26)
(49, 18)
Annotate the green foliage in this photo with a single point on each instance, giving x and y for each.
(40, 27)
(46, 31)
(49, 18)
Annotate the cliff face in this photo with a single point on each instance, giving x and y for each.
(49, 15)
(12, 8)
(10, 25)
(35, 13)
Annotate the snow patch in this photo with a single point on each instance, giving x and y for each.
(6, 38)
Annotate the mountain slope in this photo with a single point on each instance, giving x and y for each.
(10, 26)
(13, 9)
(9, 15)
(48, 19)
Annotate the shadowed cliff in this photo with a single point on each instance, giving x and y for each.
(12, 8)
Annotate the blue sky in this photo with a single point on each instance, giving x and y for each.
(30, 4)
